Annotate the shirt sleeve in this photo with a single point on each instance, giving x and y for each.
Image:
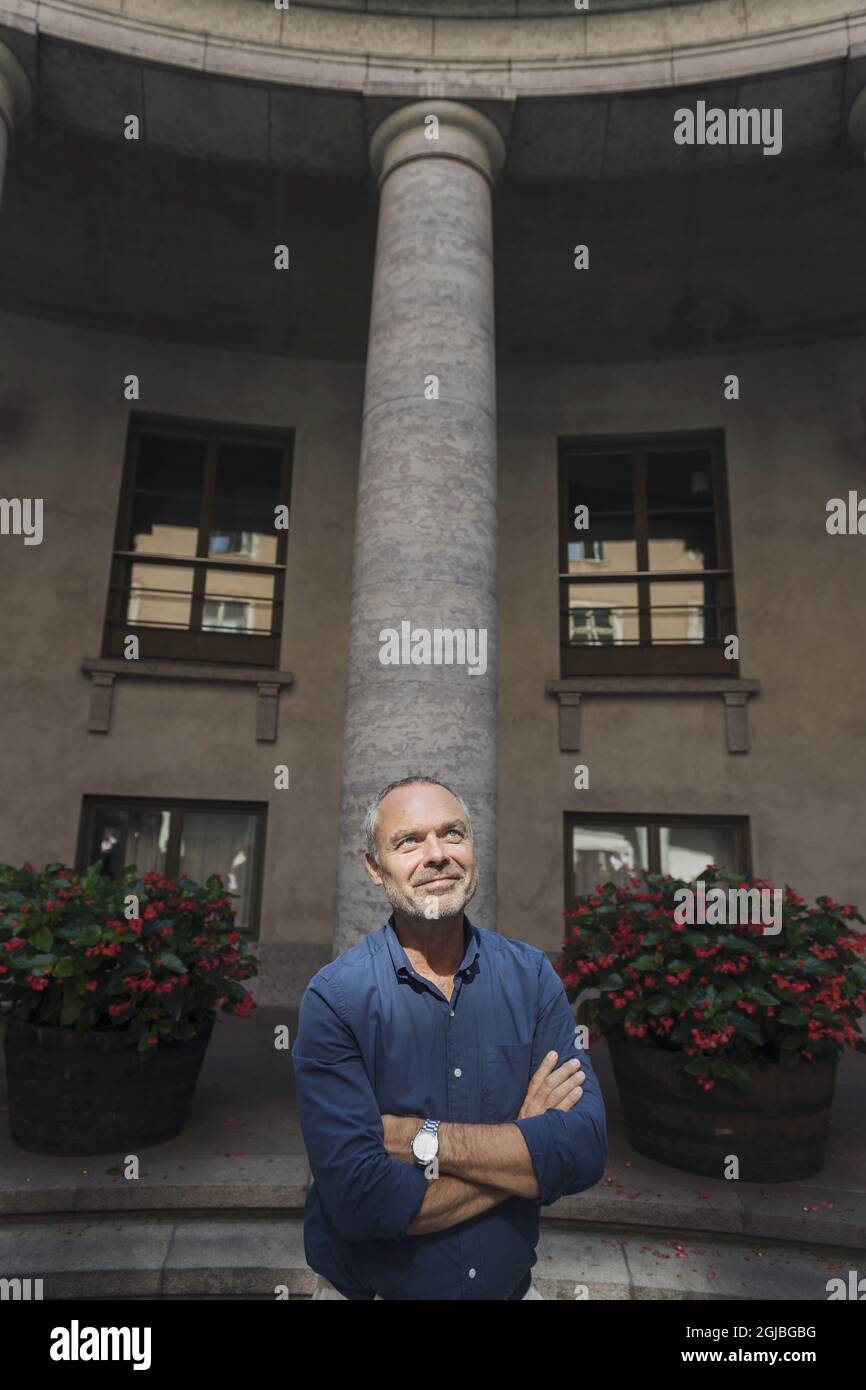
(568, 1148)
(364, 1192)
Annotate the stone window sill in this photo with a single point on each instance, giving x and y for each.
(733, 691)
(104, 671)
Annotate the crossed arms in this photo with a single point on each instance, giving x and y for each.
(364, 1170)
(485, 1164)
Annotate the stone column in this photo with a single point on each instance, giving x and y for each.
(857, 126)
(425, 539)
(15, 99)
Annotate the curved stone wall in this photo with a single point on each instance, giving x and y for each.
(394, 53)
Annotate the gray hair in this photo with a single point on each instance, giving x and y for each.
(373, 808)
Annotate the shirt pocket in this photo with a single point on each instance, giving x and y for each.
(506, 1078)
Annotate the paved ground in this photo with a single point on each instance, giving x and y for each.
(217, 1211)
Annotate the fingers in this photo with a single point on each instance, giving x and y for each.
(569, 1071)
(554, 1089)
(571, 1086)
(570, 1100)
(547, 1065)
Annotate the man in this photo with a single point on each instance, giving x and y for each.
(442, 1096)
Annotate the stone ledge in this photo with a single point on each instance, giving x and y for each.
(733, 690)
(103, 672)
(250, 1256)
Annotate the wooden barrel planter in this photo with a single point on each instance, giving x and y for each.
(89, 1093)
(778, 1129)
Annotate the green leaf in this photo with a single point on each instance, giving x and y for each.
(614, 981)
(761, 996)
(66, 966)
(72, 1006)
(43, 940)
(171, 962)
(645, 962)
(795, 1017)
(659, 1005)
(747, 1028)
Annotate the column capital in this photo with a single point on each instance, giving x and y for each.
(457, 132)
(16, 91)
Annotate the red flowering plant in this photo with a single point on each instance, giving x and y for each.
(721, 995)
(141, 953)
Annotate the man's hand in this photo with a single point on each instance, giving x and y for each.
(553, 1090)
(400, 1130)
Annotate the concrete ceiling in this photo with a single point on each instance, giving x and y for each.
(150, 242)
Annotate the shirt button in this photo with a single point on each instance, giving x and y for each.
(457, 1071)
(452, 1013)
(472, 1274)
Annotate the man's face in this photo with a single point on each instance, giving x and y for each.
(426, 858)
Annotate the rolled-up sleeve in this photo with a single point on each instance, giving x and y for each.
(365, 1193)
(568, 1149)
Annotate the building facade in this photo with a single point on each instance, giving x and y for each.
(471, 389)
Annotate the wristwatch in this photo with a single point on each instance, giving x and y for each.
(425, 1145)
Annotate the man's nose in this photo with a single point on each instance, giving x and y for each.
(434, 848)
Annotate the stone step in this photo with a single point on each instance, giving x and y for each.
(249, 1255)
(642, 1197)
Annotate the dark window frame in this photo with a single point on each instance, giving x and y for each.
(92, 804)
(653, 823)
(668, 659)
(192, 643)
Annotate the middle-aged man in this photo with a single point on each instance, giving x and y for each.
(442, 1095)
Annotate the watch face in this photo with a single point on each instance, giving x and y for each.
(425, 1147)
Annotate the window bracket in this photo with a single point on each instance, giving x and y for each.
(104, 671)
(735, 693)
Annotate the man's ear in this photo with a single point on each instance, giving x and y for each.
(373, 869)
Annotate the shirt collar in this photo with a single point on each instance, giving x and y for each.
(401, 961)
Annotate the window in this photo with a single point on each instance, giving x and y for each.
(221, 615)
(592, 627)
(646, 585)
(610, 849)
(198, 838)
(199, 566)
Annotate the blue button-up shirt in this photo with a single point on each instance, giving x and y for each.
(377, 1038)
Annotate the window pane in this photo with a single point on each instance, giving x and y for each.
(679, 478)
(160, 595)
(167, 501)
(602, 614)
(238, 602)
(248, 481)
(606, 544)
(129, 835)
(682, 543)
(686, 850)
(602, 481)
(607, 854)
(684, 613)
(224, 843)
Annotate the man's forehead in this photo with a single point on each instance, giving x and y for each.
(419, 804)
